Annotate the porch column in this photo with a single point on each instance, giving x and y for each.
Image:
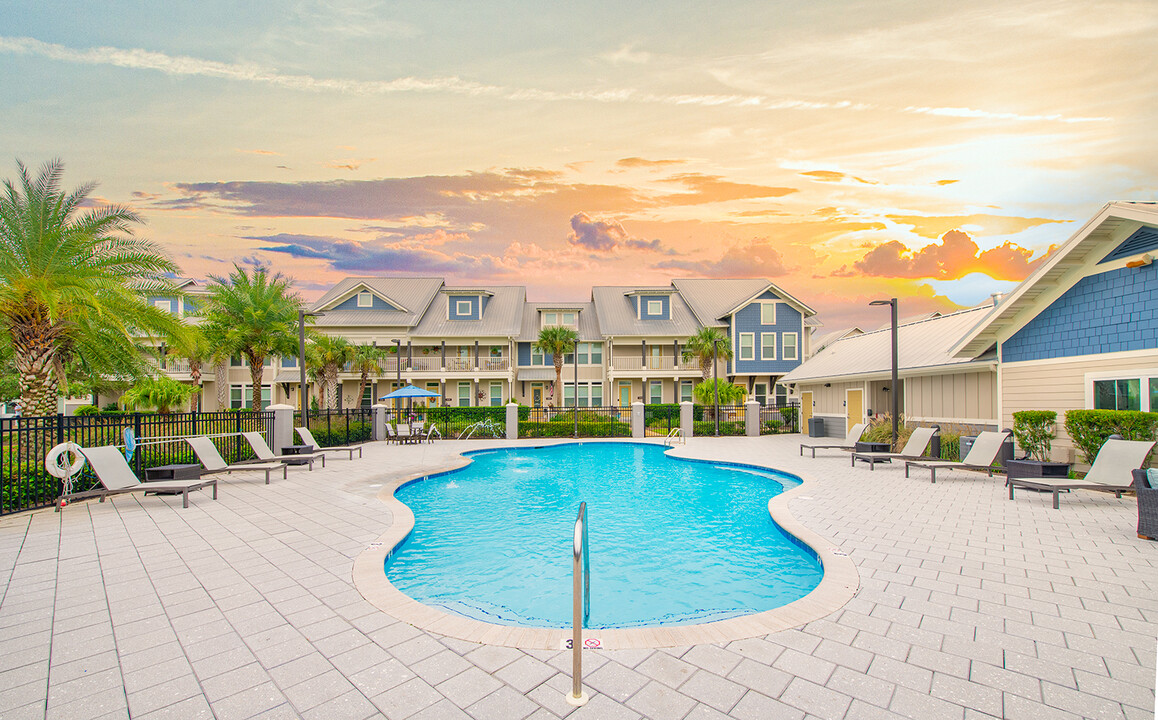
(637, 426)
(476, 356)
(443, 356)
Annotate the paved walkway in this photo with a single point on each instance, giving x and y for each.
(970, 606)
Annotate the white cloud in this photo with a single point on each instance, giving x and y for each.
(972, 289)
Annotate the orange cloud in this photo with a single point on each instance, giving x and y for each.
(954, 257)
(638, 162)
(933, 227)
(711, 188)
(835, 177)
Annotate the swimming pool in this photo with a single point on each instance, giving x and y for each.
(672, 541)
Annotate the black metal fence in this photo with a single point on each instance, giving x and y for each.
(586, 422)
(339, 427)
(24, 441)
(781, 417)
(462, 422)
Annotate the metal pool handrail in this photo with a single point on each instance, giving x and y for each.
(581, 592)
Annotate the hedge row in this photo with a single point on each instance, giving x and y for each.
(1089, 429)
(587, 430)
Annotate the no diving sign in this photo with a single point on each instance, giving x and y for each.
(590, 643)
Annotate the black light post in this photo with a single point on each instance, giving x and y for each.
(575, 353)
(716, 381)
(894, 392)
(398, 382)
(302, 315)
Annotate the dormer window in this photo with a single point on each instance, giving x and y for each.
(655, 307)
(165, 305)
(365, 300)
(559, 318)
(462, 307)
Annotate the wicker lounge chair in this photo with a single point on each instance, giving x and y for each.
(308, 439)
(848, 444)
(117, 477)
(264, 454)
(980, 457)
(1111, 471)
(914, 449)
(1147, 490)
(212, 461)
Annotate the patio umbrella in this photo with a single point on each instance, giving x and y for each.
(410, 391)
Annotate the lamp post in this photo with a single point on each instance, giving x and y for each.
(716, 381)
(398, 367)
(302, 315)
(894, 392)
(575, 357)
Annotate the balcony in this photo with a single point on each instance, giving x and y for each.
(660, 364)
(453, 365)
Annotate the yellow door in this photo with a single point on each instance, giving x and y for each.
(805, 410)
(855, 402)
(536, 395)
(624, 394)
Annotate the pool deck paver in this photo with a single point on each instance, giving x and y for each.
(969, 606)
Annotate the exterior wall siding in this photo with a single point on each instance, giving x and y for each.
(351, 303)
(954, 398)
(664, 314)
(1112, 311)
(747, 320)
(475, 304)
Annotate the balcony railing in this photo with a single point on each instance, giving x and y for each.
(453, 364)
(659, 364)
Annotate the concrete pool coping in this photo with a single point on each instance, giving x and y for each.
(837, 587)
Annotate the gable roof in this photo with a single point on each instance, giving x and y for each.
(922, 345)
(1087, 247)
(413, 295)
(502, 317)
(827, 339)
(617, 314)
(714, 299)
(588, 321)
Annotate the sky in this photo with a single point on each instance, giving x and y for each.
(845, 151)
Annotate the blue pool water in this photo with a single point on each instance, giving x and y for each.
(671, 541)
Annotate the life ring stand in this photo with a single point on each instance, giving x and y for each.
(59, 465)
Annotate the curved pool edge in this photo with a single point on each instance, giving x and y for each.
(838, 585)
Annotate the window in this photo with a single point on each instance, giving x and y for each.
(656, 392)
(781, 396)
(583, 353)
(654, 307)
(289, 362)
(537, 356)
(496, 394)
(767, 346)
(789, 341)
(761, 393)
(166, 305)
(550, 319)
(241, 396)
(368, 395)
(568, 394)
(568, 318)
(596, 394)
(768, 313)
(1153, 394)
(596, 353)
(583, 388)
(685, 391)
(655, 357)
(747, 351)
(236, 361)
(464, 394)
(462, 307)
(365, 299)
(1118, 394)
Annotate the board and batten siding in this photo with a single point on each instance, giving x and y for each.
(965, 398)
(1060, 385)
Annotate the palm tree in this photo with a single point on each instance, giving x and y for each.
(702, 347)
(162, 393)
(366, 362)
(191, 345)
(74, 285)
(253, 315)
(327, 355)
(557, 341)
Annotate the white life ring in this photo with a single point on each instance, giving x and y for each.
(58, 465)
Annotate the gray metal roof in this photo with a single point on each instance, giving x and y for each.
(712, 299)
(288, 376)
(413, 294)
(588, 320)
(617, 315)
(503, 316)
(921, 345)
(538, 373)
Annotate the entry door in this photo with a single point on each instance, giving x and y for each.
(854, 399)
(536, 395)
(805, 410)
(624, 394)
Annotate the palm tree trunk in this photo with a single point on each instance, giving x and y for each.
(221, 375)
(255, 372)
(34, 343)
(331, 387)
(558, 377)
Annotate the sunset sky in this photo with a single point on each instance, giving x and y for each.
(844, 150)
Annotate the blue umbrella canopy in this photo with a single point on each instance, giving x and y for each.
(410, 391)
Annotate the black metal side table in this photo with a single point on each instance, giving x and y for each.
(291, 450)
(872, 447)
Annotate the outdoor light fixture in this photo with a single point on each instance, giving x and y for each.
(1140, 262)
(895, 396)
(302, 315)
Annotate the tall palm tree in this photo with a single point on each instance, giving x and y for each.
(190, 344)
(366, 362)
(328, 355)
(701, 346)
(74, 285)
(558, 341)
(253, 315)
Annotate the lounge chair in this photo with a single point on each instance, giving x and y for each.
(1110, 471)
(980, 457)
(391, 436)
(212, 461)
(848, 444)
(308, 439)
(117, 477)
(264, 454)
(914, 449)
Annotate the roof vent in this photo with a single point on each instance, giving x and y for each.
(996, 297)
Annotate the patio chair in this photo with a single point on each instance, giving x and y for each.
(308, 439)
(1111, 471)
(391, 436)
(980, 457)
(265, 454)
(212, 461)
(117, 477)
(848, 444)
(405, 434)
(914, 449)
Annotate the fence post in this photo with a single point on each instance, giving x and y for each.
(281, 430)
(237, 436)
(752, 418)
(637, 427)
(137, 462)
(687, 419)
(378, 426)
(512, 421)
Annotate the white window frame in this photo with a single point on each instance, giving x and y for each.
(756, 394)
(247, 395)
(538, 357)
(458, 311)
(596, 394)
(550, 319)
(496, 399)
(166, 305)
(751, 346)
(651, 386)
(464, 385)
(654, 307)
(1143, 376)
(592, 349)
(690, 396)
(795, 346)
(764, 337)
(365, 299)
(763, 307)
(567, 318)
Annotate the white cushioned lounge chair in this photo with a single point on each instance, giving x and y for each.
(117, 477)
(1111, 471)
(212, 461)
(308, 439)
(848, 444)
(980, 457)
(914, 449)
(265, 454)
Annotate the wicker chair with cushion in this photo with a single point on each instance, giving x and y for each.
(1146, 485)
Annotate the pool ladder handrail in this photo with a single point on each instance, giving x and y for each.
(581, 602)
(673, 435)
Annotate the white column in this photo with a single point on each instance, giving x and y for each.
(637, 419)
(752, 418)
(687, 419)
(378, 429)
(281, 433)
(512, 421)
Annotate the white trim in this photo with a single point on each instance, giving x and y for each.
(954, 369)
(653, 304)
(1142, 375)
(458, 308)
(369, 296)
(765, 303)
(740, 347)
(764, 345)
(1110, 356)
(796, 347)
(955, 420)
(166, 305)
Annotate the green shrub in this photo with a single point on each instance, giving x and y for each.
(727, 427)
(533, 429)
(1090, 428)
(82, 410)
(336, 435)
(880, 430)
(950, 446)
(1034, 431)
(789, 414)
(772, 427)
